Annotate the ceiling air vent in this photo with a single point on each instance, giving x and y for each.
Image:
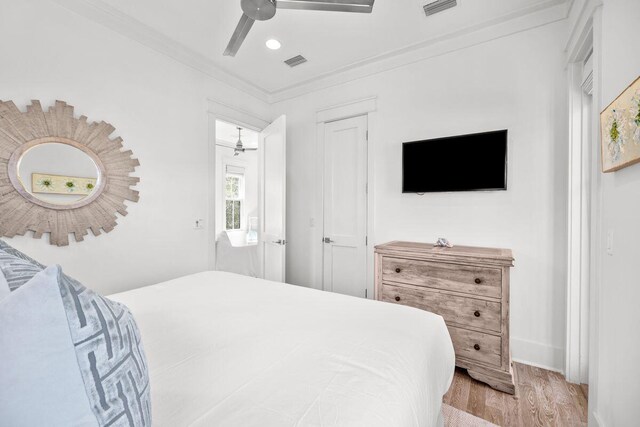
(296, 60)
(438, 6)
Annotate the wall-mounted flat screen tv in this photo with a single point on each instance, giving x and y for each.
(476, 162)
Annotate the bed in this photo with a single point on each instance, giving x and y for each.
(229, 350)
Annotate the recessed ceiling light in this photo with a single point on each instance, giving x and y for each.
(273, 44)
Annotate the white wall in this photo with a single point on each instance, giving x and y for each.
(517, 83)
(618, 385)
(158, 107)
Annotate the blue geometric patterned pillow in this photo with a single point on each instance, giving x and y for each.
(107, 344)
(4, 246)
(4, 286)
(19, 268)
(17, 271)
(110, 355)
(98, 343)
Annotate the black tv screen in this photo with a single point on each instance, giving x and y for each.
(458, 163)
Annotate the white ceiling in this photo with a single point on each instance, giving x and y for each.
(227, 133)
(331, 41)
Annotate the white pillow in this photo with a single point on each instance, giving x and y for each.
(40, 383)
(4, 286)
(70, 357)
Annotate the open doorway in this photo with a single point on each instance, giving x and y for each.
(237, 205)
(248, 195)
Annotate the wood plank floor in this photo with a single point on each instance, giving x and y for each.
(543, 398)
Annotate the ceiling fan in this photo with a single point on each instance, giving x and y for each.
(240, 148)
(263, 10)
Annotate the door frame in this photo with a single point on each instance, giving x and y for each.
(585, 241)
(579, 218)
(362, 107)
(219, 111)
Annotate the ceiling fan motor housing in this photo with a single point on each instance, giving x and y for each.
(259, 10)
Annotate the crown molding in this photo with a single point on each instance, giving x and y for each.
(101, 13)
(232, 114)
(524, 19)
(580, 16)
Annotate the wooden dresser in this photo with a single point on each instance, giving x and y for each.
(468, 287)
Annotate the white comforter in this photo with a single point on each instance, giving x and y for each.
(229, 350)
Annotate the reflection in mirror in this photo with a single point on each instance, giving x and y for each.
(58, 173)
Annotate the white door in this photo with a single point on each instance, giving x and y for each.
(345, 206)
(272, 143)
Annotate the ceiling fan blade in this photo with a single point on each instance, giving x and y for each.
(238, 35)
(358, 6)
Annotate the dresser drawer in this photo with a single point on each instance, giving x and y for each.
(454, 277)
(476, 346)
(454, 309)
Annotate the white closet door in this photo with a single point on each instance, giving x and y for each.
(345, 206)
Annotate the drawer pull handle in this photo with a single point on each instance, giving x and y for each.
(476, 313)
(478, 280)
(476, 346)
(397, 298)
(398, 270)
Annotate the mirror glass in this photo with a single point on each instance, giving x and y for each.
(58, 173)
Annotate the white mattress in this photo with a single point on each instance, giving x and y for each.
(229, 350)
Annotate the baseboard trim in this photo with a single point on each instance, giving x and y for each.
(537, 365)
(538, 354)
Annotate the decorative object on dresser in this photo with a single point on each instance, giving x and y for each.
(60, 174)
(468, 287)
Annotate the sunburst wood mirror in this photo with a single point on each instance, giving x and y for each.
(60, 174)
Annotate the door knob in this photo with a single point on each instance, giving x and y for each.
(280, 242)
(327, 240)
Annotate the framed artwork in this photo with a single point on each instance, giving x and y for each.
(56, 184)
(620, 130)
